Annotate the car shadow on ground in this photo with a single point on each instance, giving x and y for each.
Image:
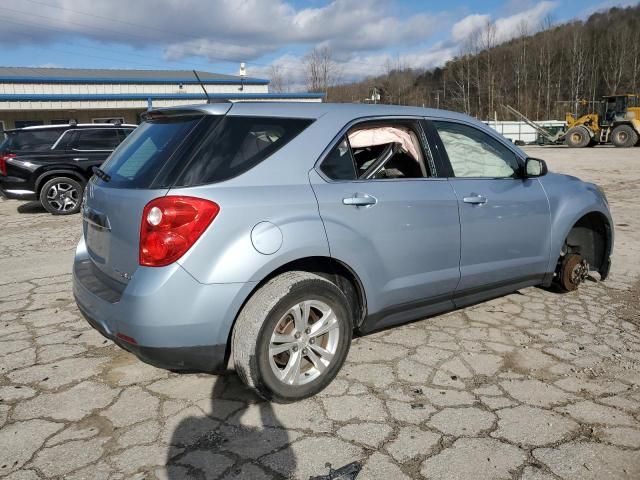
(31, 207)
(233, 438)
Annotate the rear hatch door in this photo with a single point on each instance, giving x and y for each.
(140, 169)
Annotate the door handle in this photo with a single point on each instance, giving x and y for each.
(360, 200)
(475, 199)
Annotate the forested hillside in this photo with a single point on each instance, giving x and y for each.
(542, 74)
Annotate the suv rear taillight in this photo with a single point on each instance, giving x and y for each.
(171, 225)
(3, 163)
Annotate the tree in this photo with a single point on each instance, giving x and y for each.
(279, 81)
(321, 70)
(544, 71)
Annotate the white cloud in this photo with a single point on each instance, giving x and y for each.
(362, 34)
(468, 26)
(217, 29)
(509, 27)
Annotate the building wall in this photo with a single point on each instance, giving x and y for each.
(50, 99)
(80, 116)
(86, 111)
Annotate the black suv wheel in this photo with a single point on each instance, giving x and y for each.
(61, 196)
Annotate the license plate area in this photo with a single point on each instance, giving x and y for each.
(97, 239)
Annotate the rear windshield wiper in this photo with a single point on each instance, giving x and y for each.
(101, 174)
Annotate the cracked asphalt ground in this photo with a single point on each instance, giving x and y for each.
(533, 385)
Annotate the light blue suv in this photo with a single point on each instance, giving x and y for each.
(268, 233)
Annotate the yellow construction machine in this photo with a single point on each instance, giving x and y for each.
(617, 122)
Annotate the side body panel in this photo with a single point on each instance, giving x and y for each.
(570, 199)
(506, 239)
(405, 248)
(505, 225)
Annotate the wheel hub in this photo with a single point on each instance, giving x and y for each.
(580, 272)
(62, 197)
(304, 342)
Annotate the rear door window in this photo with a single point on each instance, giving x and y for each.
(235, 145)
(96, 139)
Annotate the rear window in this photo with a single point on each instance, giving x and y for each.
(235, 145)
(30, 140)
(140, 158)
(218, 148)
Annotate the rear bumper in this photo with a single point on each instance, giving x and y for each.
(210, 358)
(175, 322)
(16, 190)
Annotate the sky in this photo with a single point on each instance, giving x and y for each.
(364, 36)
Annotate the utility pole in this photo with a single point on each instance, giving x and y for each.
(438, 98)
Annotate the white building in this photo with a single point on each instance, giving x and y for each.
(43, 96)
(520, 132)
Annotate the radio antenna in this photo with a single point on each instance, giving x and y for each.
(206, 94)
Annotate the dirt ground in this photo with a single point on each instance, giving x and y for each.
(533, 385)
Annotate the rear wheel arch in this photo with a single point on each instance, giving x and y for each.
(48, 175)
(333, 270)
(591, 237)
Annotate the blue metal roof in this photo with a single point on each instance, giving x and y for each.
(129, 80)
(55, 97)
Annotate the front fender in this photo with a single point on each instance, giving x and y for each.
(570, 199)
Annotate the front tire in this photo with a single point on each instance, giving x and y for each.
(292, 337)
(61, 196)
(577, 137)
(624, 136)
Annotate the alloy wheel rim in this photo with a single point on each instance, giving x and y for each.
(304, 342)
(63, 197)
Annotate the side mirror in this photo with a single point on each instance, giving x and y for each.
(534, 167)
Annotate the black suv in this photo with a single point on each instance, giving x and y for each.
(53, 163)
